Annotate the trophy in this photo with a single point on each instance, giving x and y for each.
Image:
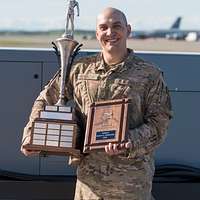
(106, 123)
(55, 130)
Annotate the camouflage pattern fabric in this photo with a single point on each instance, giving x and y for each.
(129, 175)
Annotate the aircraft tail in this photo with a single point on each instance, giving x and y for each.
(176, 24)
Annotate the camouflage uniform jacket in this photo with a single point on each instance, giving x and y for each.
(129, 175)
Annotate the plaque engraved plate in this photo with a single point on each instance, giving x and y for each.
(107, 122)
(105, 135)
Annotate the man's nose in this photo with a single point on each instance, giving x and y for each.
(109, 31)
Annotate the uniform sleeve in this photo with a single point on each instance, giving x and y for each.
(48, 96)
(157, 114)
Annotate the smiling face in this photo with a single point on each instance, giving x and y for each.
(112, 30)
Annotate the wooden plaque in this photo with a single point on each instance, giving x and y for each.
(107, 122)
(53, 135)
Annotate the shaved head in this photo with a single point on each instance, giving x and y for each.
(112, 32)
(112, 11)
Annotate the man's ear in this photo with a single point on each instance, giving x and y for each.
(128, 30)
(97, 35)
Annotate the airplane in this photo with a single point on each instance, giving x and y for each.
(174, 32)
(160, 33)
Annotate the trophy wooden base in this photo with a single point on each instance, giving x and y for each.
(107, 123)
(51, 134)
(49, 150)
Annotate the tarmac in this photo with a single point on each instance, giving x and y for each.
(152, 44)
(64, 190)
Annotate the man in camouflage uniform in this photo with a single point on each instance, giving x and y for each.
(115, 173)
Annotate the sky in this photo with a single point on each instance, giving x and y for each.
(141, 14)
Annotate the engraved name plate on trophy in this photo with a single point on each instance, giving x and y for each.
(54, 132)
(106, 123)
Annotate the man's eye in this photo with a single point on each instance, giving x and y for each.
(102, 28)
(117, 26)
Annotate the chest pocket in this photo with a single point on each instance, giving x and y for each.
(121, 88)
(87, 85)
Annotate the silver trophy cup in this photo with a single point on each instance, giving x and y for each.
(54, 132)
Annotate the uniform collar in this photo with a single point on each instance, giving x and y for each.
(102, 66)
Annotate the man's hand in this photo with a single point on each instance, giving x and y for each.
(115, 149)
(28, 152)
